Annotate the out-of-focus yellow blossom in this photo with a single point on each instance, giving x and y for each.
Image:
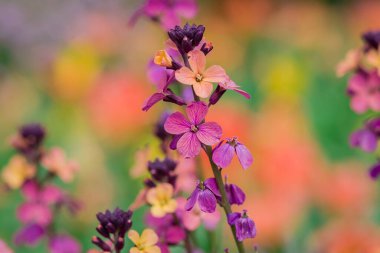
(161, 199)
(146, 243)
(75, 70)
(162, 58)
(17, 172)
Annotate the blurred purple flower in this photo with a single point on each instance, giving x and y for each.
(193, 131)
(374, 171)
(29, 235)
(35, 212)
(366, 137)
(64, 244)
(372, 39)
(206, 194)
(166, 12)
(245, 227)
(224, 152)
(235, 194)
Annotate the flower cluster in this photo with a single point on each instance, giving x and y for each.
(32, 170)
(364, 92)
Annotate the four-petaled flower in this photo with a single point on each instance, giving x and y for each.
(161, 199)
(194, 131)
(200, 78)
(245, 227)
(146, 243)
(224, 152)
(206, 193)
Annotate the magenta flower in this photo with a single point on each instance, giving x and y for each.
(366, 137)
(224, 152)
(206, 194)
(194, 131)
(245, 227)
(63, 244)
(364, 90)
(235, 194)
(167, 12)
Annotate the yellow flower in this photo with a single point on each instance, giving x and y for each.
(146, 243)
(162, 58)
(161, 199)
(17, 171)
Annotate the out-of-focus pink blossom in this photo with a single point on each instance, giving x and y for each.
(64, 244)
(56, 162)
(4, 247)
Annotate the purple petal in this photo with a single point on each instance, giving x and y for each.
(158, 75)
(64, 244)
(233, 217)
(212, 185)
(169, 19)
(245, 228)
(245, 157)
(152, 100)
(207, 201)
(244, 93)
(196, 112)
(30, 190)
(222, 155)
(173, 98)
(34, 212)
(192, 199)
(188, 145)
(186, 8)
(209, 133)
(177, 124)
(29, 235)
(175, 234)
(364, 139)
(173, 143)
(235, 194)
(374, 172)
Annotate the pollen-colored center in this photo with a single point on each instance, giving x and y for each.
(194, 128)
(198, 78)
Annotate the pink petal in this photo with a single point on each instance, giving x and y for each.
(197, 61)
(186, 8)
(203, 89)
(185, 75)
(222, 155)
(359, 104)
(157, 75)
(244, 93)
(209, 133)
(169, 19)
(215, 74)
(374, 102)
(245, 157)
(175, 234)
(191, 220)
(152, 100)
(30, 191)
(196, 112)
(51, 194)
(34, 213)
(211, 220)
(188, 145)
(176, 124)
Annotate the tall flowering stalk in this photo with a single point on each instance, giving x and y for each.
(32, 170)
(364, 92)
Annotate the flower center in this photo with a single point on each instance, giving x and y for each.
(198, 77)
(194, 128)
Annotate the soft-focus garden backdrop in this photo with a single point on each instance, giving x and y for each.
(77, 67)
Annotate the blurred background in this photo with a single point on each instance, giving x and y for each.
(79, 69)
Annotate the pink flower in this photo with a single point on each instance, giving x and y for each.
(64, 244)
(200, 78)
(4, 247)
(194, 131)
(55, 161)
(224, 152)
(364, 90)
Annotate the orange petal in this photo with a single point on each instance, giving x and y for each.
(185, 75)
(203, 89)
(197, 60)
(215, 74)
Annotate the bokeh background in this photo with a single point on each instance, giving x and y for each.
(78, 68)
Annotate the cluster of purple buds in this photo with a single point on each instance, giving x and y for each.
(371, 39)
(186, 38)
(163, 171)
(113, 227)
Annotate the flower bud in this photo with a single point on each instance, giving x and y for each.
(162, 58)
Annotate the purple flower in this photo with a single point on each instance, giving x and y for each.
(194, 131)
(374, 171)
(372, 39)
(234, 193)
(29, 235)
(167, 12)
(206, 194)
(245, 227)
(224, 152)
(366, 137)
(63, 244)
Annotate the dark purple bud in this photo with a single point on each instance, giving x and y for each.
(101, 230)
(186, 45)
(162, 171)
(372, 39)
(216, 95)
(186, 38)
(111, 228)
(207, 47)
(374, 171)
(33, 134)
(173, 98)
(119, 243)
(149, 183)
(101, 244)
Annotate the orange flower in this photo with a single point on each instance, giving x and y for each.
(55, 161)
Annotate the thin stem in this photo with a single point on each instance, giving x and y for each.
(225, 203)
(188, 246)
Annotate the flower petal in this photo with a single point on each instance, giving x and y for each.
(243, 93)
(149, 237)
(207, 201)
(214, 74)
(153, 249)
(364, 139)
(197, 61)
(29, 235)
(188, 145)
(222, 155)
(186, 8)
(175, 234)
(134, 236)
(245, 157)
(152, 100)
(235, 194)
(211, 184)
(209, 133)
(196, 112)
(233, 217)
(192, 199)
(176, 123)
(203, 89)
(185, 75)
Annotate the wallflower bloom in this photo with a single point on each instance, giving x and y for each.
(161, 199)
(55, 161)
(146, 243)
(63, 244)
(245, 227)
(200, 78)
(364, 90)
(192, 132)
(17, 172)
(206, 194)
(366, 137)
(224, 152)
